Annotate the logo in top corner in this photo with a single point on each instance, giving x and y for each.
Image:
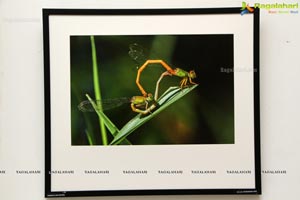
(246, 8)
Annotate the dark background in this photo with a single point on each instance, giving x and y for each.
(204, 116)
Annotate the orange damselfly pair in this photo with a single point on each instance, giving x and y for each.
(146, 103)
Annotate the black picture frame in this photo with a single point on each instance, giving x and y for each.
(48, 87)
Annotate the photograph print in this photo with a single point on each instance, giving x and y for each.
(152, 89)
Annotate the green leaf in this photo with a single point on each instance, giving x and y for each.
(110, 126)
(88, 135)
(169, 97)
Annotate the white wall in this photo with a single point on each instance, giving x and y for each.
(21, 96)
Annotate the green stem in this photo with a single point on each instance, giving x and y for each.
(97, 89)
(88, 135)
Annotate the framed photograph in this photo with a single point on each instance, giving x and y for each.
(148, 102)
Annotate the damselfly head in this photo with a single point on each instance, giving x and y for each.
(192, 74)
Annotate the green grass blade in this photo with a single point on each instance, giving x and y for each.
(88, 135)
(97, 88)
(106, 121)
(172, 95)
(109, 124)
